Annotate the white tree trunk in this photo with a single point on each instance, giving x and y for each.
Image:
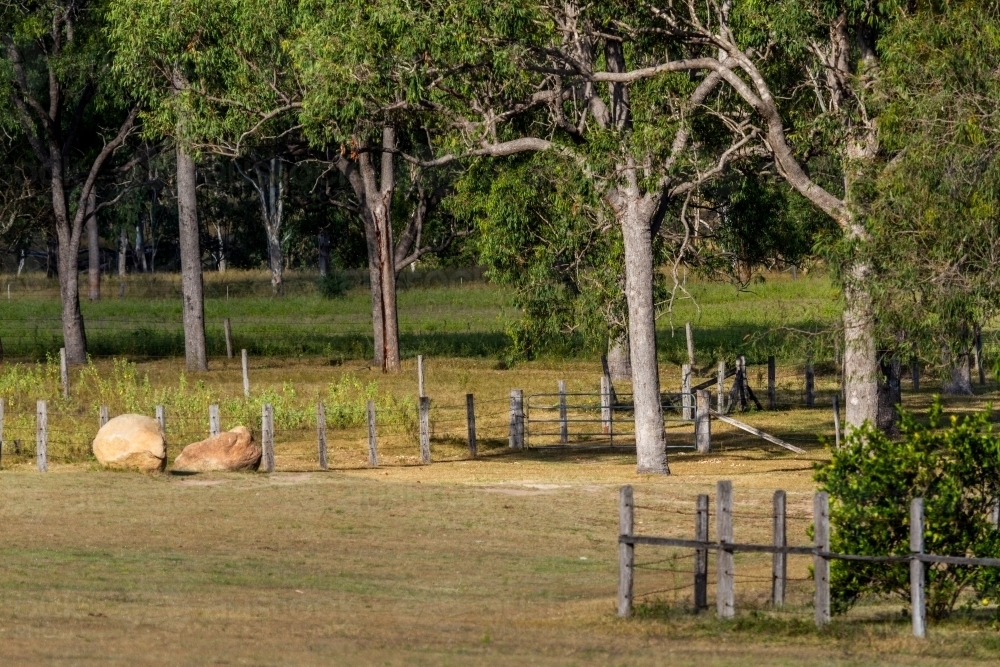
(192, 287)
(861, 368)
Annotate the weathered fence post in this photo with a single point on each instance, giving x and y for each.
(836, 421)
(626, 552)
(42, 436)
(420, 375)
(701, 553)
(425, 430)
(918, 606)
(321, 434)
(915, 373)
(470, 420)
(228, 329)
(725, 571)
(721, 388)
(372, 444)
(563, 418)
(246, 374)
(213, 420)
(686, 391)
(779, 564)
(689, 333)
(103, 416)
(605, 404)
(703, 421)
(267, 437)
(517, 419)
(772, 391)
(64, 372)
(161, 416)
(821, 565)
(810, 385)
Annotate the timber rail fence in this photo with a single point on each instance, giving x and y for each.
(726, 547)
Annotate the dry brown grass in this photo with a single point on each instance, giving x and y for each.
(506, 560)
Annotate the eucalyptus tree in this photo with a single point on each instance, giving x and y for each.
(491, 81)
(59, 87)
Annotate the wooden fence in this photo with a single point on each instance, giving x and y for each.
(725, 548)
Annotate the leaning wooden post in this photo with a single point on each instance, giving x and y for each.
(517, 419)
(772, 392)
(420, 375)
(229, 337)
(836, 422)
(689, 334)
(701, 553)
(42, 436)
(821, 565)
(725, 570)
(703, 421)
(918, 606)
(246, 375)
(563, 420)
(626, 552)
(425, 430)
(779, 564)
(64, 372)
(686, 391)
(103, 416)
(810, 385)
(267, 437)
(321, 434)
(720, 388)
(372, 444)
(470, 420)
(605, 404)
(213, 420)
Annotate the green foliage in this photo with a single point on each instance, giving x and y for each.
(954, 467)
(334, 284)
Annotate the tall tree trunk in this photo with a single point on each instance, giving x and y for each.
(122, 254)
(861, 369)
(140, 249)
(890, 393)
(93, 251)
(274, 209)
(74, 337)
(635, 213)
(375, 283)
(323, 244)
(192, 288)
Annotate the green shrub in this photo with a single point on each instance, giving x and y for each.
(871, 480)
(334, 284)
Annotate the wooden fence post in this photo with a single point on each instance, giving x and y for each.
(836, 422)
(267, 437)
(626, 552)
(372, 444)
(246, 375)
(918, 606)
(703, 421)
(725, 571)
(689, 333)
(779, 564)
(821, 566)
(686, 391)
(470, 421)
(517, 419)
(605, 404)
(321, 434)
(64, 372)
(213, 420)
(701, 554)
(563, 419)
(425, 430)
(810, 385)
(772, 391)
(420, 375)
(721, 388)
(227, 327)
(161, 416)
(915, 373)
(103, 416)
(42, 436)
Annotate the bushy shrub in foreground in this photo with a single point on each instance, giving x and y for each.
(955, 467)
